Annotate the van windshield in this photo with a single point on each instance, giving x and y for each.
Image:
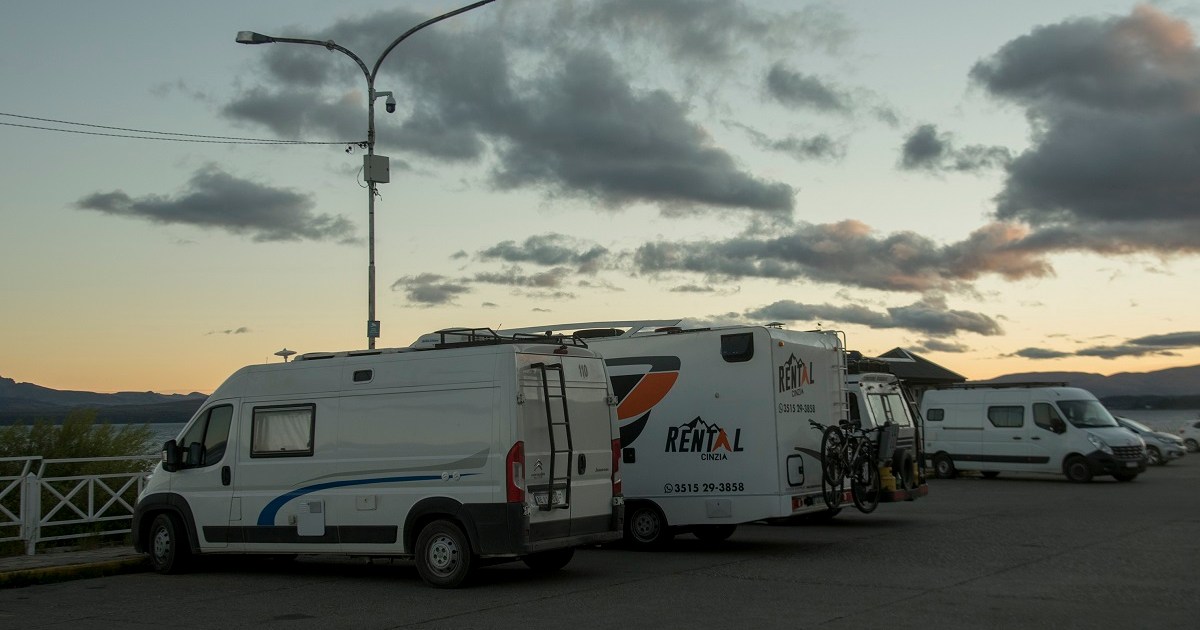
(1086, 413)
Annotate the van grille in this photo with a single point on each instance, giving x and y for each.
(1128, 453)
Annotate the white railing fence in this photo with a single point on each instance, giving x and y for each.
(44, 500)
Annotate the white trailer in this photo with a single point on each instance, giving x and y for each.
(715, 421)
(476, 448)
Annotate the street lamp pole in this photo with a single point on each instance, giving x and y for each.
(374, 170)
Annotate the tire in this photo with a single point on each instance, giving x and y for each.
(549, 561)
(443, 555)
(864, 484)
(1154, 456)
(1192, 445)
(990, 474)
(714, 533)
(1076, 469)
(943, 466)
(170, 551)
(903, 470)
(833, 469)
(832, 491)
(646, 527)
(1125, 476)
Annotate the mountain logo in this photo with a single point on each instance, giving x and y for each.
(794, 374)
(709, 440)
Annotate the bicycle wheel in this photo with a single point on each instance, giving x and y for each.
(833, 466)
(864, 483)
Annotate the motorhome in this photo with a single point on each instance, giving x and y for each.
(715, 422)
(475, 448)
(877, 399)
(1027, 427)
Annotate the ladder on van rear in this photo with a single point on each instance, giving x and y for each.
(554, 500)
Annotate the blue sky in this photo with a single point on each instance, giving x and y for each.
(1001, 187)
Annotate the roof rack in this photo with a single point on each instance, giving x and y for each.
(466, 337)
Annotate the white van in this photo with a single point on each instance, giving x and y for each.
(876, 399)
(1027, 427)
(715, 422)
(481, 448)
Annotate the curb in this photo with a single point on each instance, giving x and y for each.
(50, 575)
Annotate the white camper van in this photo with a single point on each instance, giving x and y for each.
(715, 422)
(1027, 427)
(477, 448)
(876, 399)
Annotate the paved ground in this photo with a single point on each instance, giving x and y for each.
(1012, 552)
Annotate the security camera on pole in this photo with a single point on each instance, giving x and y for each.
(375, 167)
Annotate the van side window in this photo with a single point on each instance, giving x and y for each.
(737, 348)
(282, 431)
(1047, 418)
(935, 415)
(1007, 416)
(212, 431)
(852, 406)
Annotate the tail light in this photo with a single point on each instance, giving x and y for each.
(514, 465)
(616, 467)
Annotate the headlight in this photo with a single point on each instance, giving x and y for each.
(1101, 445)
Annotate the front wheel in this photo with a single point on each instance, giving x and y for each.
(1154, 457)
(169, 550)
(714, 533)
(1192, 445)
(443, 555)
(1076, 468)
(864, 485)
(645, 526)
(548, 561)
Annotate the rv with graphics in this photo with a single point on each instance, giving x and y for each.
(1027, 427)
(472, 449)
(715, 422)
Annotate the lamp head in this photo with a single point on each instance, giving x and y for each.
(250, 37)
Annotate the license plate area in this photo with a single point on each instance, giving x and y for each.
(560, 498)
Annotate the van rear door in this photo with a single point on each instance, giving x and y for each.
(567, 425)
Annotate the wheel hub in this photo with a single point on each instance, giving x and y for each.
(443, 554)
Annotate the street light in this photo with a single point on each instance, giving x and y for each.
(375, 168)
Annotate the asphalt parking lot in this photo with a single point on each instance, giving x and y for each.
(1018, 551)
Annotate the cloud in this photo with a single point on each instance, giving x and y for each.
(514, 276)
(216, 199)
(1115, 109)
(936, 345)
(230, 331)
(929, 315)
(851, 254)
(548, 250)
(926, 149)
(818, 147)
(1162, 344)
(573, 126)
(799, 90)
(429, 289)
(1040, 353)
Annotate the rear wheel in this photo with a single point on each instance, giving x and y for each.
(714, 533)
(943, 466)
(169, 550)
(548, 561)
(1076, 469)
(1154, 457)
(645, 526)
(1192, 444)
(443, 555)
(864, 485)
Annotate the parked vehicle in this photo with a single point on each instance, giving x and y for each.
(475, 448)
(715, 423)
(1190, 433)
(1027, 427)
(876, 399)
(1161, 447)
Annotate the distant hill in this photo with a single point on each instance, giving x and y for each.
(1183, 381)
(28, 402)
(1173, 388)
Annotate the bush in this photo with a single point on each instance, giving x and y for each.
(79, 437)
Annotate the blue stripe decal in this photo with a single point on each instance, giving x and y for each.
(266, 518)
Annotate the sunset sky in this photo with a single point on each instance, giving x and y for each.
(1001, 187)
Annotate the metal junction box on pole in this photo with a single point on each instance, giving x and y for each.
(376, 169)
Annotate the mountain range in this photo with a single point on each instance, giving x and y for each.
(26, 402)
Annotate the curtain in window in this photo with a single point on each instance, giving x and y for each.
(283, 430)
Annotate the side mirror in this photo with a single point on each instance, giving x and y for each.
(1058, 425)
(170, 456)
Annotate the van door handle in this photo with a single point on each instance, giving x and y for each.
(582, 463)
(1016, 437)
(1035, 438)
(226, 477)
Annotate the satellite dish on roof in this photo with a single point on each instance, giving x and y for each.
(285, 353)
